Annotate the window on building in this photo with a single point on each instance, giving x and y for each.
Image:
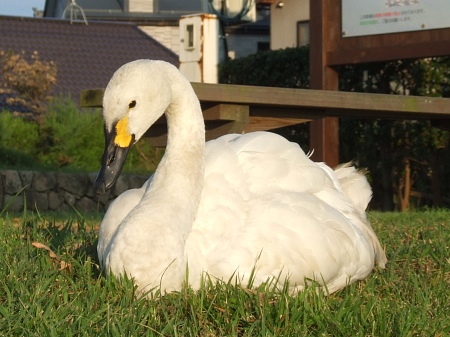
(263, 46)
(189, 37)
(302, 33)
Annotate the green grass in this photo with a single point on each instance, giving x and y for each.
(42, 296)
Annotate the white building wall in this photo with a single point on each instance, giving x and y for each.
(140, 6)
(283, 22)
(168, 36)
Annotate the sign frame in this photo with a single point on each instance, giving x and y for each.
(362, 18)
(329, 49)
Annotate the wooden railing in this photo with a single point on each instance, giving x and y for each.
(237, 109)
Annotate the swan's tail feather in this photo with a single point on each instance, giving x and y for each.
(372, 237)
(379, 251)
(355, 186)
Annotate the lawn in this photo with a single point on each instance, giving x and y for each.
(51, 285)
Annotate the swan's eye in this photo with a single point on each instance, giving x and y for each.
(132, 104)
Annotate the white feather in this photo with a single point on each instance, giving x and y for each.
(242, 202)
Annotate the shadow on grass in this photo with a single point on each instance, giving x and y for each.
(67, 235)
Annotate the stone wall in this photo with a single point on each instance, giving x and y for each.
(52, 191)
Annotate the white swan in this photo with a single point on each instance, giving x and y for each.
(242, 202)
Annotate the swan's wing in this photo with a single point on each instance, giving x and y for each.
(354, 186)
(117, 211)
(263, 195)
(271, 162)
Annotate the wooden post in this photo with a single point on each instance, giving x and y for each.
(324, 133)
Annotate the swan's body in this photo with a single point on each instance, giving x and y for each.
(243, 202)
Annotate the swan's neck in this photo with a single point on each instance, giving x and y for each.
(164, 217)
(178, 182)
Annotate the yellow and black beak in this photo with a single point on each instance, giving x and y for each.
(118, 142)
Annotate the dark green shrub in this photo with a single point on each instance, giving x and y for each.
(288, 68)
(65, 138)
(18, 142)
(404, 158)
(397, 153)
(18, 134)
(70, 138)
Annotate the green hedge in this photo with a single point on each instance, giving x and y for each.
(386, 148)
(288, 68)
(65, 139)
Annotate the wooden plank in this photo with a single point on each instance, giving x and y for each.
(329, 48)
(270, 123)
(323, 103)
(220, 119)
(380, 47)
(324, 138)
(324, 133)
(157, 134)
(322, 77)
(286, 113)
(381, 53)
(237, 109)
(307, 103)
(226, 112)
(223, 119)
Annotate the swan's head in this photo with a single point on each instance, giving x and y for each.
(138, 94)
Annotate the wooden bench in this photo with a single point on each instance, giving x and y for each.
(238, 108)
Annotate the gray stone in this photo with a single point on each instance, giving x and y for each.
(120, 186)
(37, 201)
(42, 182)
(54, 200)
(65, 208)
(68, 198)
(73, 183)
(85, 204)
(92, 176)
(16, 202)
(90, 188)
(90, 191)
(12, 182)
(60, 191)
(108, 203)
(137, 181)
(102, 198)
(27, 177)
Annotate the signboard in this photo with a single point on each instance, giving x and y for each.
(370, 17)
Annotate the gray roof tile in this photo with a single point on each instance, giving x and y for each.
(86, 55)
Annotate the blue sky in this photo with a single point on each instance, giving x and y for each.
(20, 7)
